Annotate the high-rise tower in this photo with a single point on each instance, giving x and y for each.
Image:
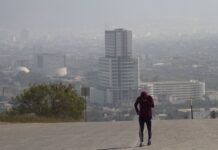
(118, 43)
(118, 70)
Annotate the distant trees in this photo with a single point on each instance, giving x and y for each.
(50, 100)
(30, 78)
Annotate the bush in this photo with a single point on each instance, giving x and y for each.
(49, 100)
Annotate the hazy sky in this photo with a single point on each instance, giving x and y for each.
(97, 15)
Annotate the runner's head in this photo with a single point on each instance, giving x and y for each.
(144, 94)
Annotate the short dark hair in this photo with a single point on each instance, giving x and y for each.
(144, 94)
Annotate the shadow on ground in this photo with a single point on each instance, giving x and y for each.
(114, 148)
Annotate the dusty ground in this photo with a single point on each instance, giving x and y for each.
(167, 135)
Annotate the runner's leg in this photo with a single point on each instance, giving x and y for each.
(141, 129)
(148, 124)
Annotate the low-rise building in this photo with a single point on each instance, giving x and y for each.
(175, 91)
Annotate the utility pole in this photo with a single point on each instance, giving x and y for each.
(85, 91)
(3, 91)
(85, 113)
(191, 110)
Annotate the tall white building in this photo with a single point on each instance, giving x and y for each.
(176, 91)
(118, 70)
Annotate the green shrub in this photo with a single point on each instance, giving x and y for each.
(45, 102)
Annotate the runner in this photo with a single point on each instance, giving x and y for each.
(143, 107)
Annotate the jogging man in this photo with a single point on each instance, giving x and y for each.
(143, 107)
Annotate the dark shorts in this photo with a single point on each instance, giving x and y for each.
(142, 122)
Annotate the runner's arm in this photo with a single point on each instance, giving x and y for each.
(136, 106)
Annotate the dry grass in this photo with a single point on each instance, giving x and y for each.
(32, 119)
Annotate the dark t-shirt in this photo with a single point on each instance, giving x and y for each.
(144, 110)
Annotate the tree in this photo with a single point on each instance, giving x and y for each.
(50, 100)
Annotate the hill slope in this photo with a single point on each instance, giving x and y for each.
(167, 135)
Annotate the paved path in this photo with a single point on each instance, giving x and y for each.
(167, 135)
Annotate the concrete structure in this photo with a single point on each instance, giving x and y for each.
(176, 91)
(51, 64)
(96, 96)
(118, 70)
(4, 104)
(167, 135)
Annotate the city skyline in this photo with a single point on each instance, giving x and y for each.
(99, 44)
